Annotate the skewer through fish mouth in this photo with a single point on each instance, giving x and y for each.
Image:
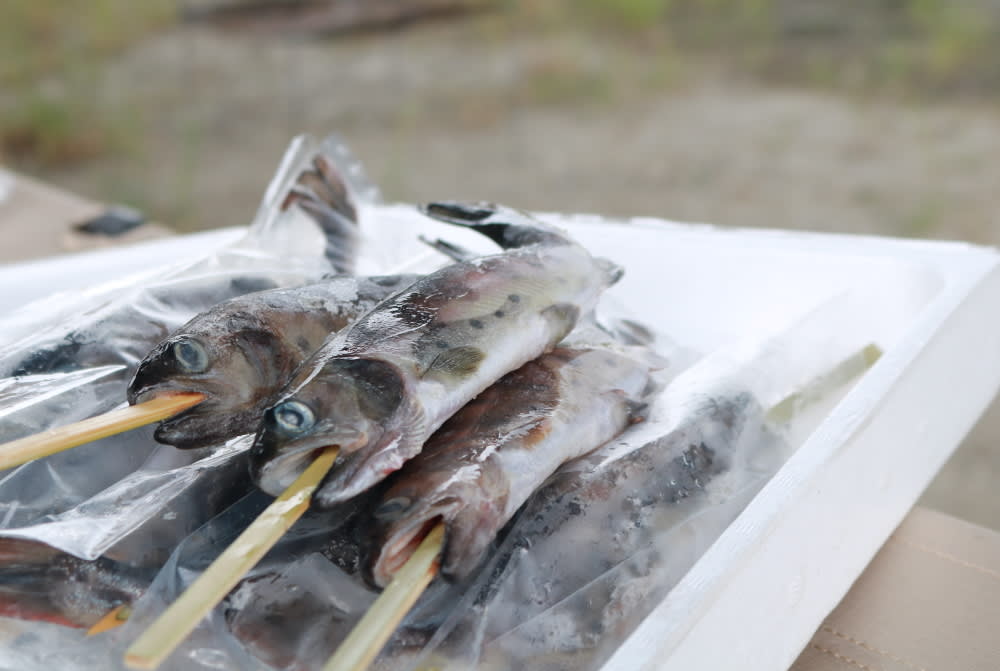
(274, 470)
(400, 548)
(274, 476)
(193, 427)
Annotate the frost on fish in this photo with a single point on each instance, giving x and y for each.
(379, 388)
(488, 458)
(596, 548)
(241, 352)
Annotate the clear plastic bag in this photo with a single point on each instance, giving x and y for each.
(71, 356)
(648, 504)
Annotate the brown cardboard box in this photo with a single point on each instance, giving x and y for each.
(928, 601)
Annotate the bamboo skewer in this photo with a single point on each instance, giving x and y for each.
(116, 617)
(88, 430)
(372, 631)
(180, 619)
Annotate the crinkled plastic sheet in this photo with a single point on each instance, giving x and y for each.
(582, 563)
(145, 515)
(70, 356)
(589, 555)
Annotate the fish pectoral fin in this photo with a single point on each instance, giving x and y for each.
(564, 317)
(449, 249)
(457, 362)
(612, 271)
(637, 410)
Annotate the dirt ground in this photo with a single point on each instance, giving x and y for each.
(555, 122)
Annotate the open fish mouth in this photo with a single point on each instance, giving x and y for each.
(275, 475)
(396, 553)
(166, 391)
(193, 427)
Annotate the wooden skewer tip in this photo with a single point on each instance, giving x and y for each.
(116, 617)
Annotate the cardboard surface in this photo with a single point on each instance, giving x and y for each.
(36, 220)
(929, 600)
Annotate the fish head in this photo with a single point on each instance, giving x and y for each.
(347, 404)
(238, 369)
(470, 502)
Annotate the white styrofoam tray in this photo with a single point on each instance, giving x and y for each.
(755, 598)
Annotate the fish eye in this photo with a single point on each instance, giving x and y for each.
(191, 355)
(392, 509)
(293, 417)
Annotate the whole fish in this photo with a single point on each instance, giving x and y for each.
(478, 469)
(380, 388)
(240, 353)
(605, 540)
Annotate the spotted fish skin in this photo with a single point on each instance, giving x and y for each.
(250, 347)
(380, 388)
(486, 460)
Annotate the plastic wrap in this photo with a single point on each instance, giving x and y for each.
(145, 515)
(70, 356)
(587, 557)
(646, 505)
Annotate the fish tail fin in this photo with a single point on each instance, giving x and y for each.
(507, 227)
(324, 181)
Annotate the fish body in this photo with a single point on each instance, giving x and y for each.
(241, 352)
(380, 388)
(38, 582)
(486, 460)
(597, 546)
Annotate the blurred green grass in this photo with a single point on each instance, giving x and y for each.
(54, 111)
(914, 48)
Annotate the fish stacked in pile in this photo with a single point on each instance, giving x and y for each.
(480, 404)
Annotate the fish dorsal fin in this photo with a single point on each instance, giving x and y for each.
(564, 317)
(612, 271)
(505, 226)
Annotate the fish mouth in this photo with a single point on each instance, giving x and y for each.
(275, 475)
(399, 550)
(189, 428)
(166, 391)
(186, 430)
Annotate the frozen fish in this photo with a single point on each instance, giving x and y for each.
(381, 387)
